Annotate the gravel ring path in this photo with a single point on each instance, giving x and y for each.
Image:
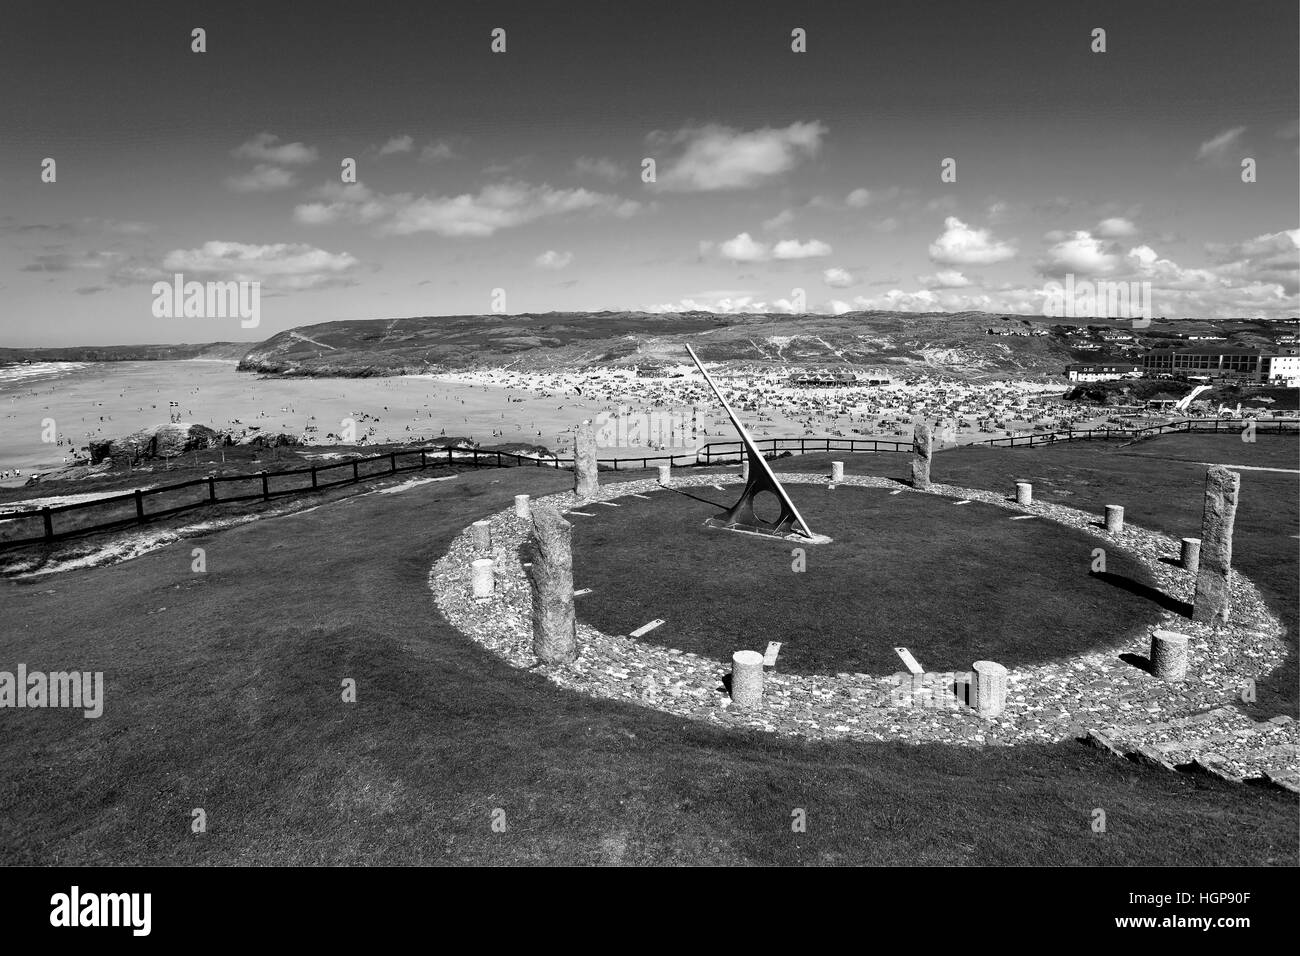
(1052, 701)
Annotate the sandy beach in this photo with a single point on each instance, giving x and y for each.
(634, 414)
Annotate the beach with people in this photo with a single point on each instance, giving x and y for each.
(49, 412)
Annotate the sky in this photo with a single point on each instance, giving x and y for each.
(782, 180)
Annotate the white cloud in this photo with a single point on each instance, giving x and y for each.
(590, 167)
(727, 304)
(838, 278)
(1081, 254)
(962, 245)
(267, 148)
(781, 219)
(282, 266)
(550, 259)
(858, 199)
(262, 179)
(1115, 228)
(944, 279)
(501, 206)
(794, 249)
(1217, 147)
(744, 249)
(398, 144)
(719, 157)
(437, 151)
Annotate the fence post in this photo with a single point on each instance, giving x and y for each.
(355, 477)
(449, 455)
(475, 457)
(392, 462)
(422, 463)
(139, 505)
(212, 487)
(498, 459)
(313, 476)
(266, 494)
(49, 523)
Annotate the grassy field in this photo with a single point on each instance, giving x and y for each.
(955, 584)
(223, 692)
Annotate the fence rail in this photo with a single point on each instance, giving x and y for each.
(118, 511)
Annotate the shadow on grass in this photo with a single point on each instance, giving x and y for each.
(1145, 591)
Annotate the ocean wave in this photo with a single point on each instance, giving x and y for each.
(10, 374)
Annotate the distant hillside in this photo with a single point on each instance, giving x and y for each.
(953, 343)
(232, 351)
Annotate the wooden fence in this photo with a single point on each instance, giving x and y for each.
(54, 522)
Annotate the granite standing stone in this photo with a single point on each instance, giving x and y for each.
(1190, 557)
(837, 471)
(747, 679)
(586, 473)
(1214, 570)
(922, 451)
(665, 474)
(1169, 655)
(744, 467)
(521, 507)
(1114, 519)
(482, 535)
(1024, 493)
(483, 580)
(555, 639)
(990, 687)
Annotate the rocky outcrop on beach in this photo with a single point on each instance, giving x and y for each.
(156, 441)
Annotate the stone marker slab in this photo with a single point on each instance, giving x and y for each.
(646, 628)
(586, 472)
(909, 661)
(773, 649)
(1214, 571)
(922, 452)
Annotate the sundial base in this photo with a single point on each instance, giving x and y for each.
(722, 525)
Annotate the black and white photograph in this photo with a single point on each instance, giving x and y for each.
(679, 434)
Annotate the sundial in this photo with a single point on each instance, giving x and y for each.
(789, 525)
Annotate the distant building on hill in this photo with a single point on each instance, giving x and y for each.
(823, 379)
(1209, 362)
(1102, 372)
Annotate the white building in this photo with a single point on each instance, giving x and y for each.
(1284, 369)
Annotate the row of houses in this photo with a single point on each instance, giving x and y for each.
(1204, 363)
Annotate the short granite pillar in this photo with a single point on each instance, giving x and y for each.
(922, 451)
(990, 687)
(837, 471)
(1169, 655)
(1190, 558)
(482, 578)
(665, 474)
(555, 639)
(1114, 519)
(521, 507)
(744, 468)
(747, 679)
(482, 535)
(1024, 493)
(586, 472)
(1214, 568)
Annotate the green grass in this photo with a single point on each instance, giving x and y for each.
(223, 692)
(955, 584)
